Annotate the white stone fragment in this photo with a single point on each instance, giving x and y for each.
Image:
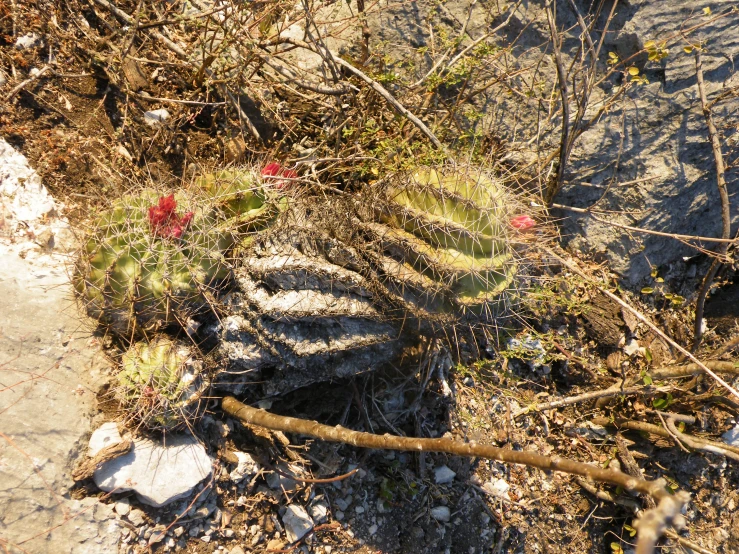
(29, 40)
(122, 507)
(156, 117)
(246, 467)
(498, 487)
(443, 475)
(158, 473)
(104, 436)
(441, 513)
(297, 522)
(732, 436)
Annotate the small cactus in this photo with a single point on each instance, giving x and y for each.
(446, 233)
(145, 265)
(161, 383)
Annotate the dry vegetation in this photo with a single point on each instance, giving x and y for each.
(344, 108)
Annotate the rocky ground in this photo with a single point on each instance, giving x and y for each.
(93, 109)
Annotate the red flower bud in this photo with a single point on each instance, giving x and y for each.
(273, 169)
(164, 221)
(522, 222)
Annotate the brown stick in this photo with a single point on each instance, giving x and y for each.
(718, 159)
(655, 521)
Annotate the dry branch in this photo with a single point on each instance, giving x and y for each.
(718, 159)
(653, 523)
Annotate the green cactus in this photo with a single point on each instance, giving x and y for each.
(144, 266)
(161, 383)
(451, 227)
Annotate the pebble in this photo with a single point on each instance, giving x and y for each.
(246, 467)
(343, 503)
(372, 530)
(122, 507)
(441, 513)
(236, 550)
(319, 511)
(297, 522)
(136, 517)
(359, 509)
(443, 475)
(105, 435)
(339, 515)
(29, 40)
(178, 531)
(154, 118)
(275, 544)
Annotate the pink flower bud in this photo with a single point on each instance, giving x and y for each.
(272, 169)
(522, 222)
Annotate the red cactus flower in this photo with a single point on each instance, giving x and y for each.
(164, 221)
(522, 222)
(274, 169)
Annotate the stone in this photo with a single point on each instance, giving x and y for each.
(443, 475)
(297, 522)
(247, 467)
(29, 40)
(158, 473)
(155, 118)
(137, 517)
(732, 436)
(105, 435)
(441, 513)
(48, 416)
(122, 507)
(319, 511)
(498, 487)
(236, 550)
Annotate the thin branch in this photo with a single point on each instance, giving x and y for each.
(718, 159)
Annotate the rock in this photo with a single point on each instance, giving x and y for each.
(105, 435)
(732, 436)
(159, 474)
(29, 40)
(137, 517)
(246, 467)
(443, 475)
(157, 535)
(498, 487)
(154, 118)
(122, 507)
(319, 511)
(297, 522)
(48, 416)
(441, 513)
(275, 544)
(236, 550)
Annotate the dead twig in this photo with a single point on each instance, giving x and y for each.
(718, 160)
(27, 82)
(652, 523)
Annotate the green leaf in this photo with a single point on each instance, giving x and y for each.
(654, 272)
(633, 71)
(648, 355)
(706, 11)
(616, 548)
(659, 280)
(659, 403)
(613, 55)
(687, 49)
(630, 530)
(647, 290)
(649, 45)
(647, 379)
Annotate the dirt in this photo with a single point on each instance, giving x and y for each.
(82, 127)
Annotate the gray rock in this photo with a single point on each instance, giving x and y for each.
(154, 118)
(297, 522)
(158, 473)
(443, 475)
(319, 511)
(441, 513)
(104, 436)
(47, 416)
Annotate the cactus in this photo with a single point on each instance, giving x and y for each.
(143, 266)
(446, 232)
(161, 383)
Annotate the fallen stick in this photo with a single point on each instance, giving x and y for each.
(654, 521)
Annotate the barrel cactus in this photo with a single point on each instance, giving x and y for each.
(161, 383)
(446, 235)
(154, 260)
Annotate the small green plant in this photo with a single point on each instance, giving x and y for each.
(160, 383)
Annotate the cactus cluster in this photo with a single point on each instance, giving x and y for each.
(446, 234)
(145, 266)
(161, 383)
